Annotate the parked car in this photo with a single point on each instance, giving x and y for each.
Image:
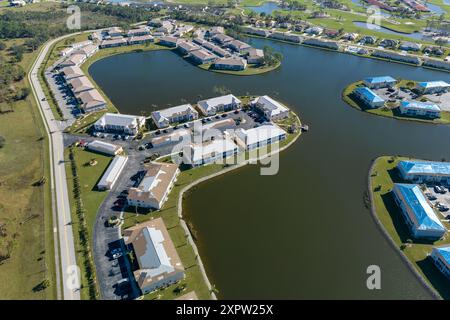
(439, 189)
(431, 196)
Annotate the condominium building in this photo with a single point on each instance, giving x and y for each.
(272, 109)
(210, 107)
(164, 118)
(120, 123)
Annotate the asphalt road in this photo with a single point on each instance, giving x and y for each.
(69, 272)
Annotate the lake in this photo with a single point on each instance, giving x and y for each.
(377, 28)
(305, 232)
(266, 7)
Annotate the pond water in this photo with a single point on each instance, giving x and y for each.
(304, 233)
(266, 7)
(377, 28)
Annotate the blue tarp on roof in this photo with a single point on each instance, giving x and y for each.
(424, 167)
(383, 79)
(415, 199)
(444, 252)
(433, 84)
(420, 105)
(369, 94)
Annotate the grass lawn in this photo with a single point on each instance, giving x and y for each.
(385, 111)
(382, 177)
(92, 199)
(25, 210)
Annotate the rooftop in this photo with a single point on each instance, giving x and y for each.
(433, 84)
(123, 120)
(424, 167)
(420, 105)
(383, 79)
(369, 94)
(217, 101)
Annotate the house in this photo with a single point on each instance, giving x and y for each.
(420, 109)
(314, 30)
(255, 56)
(166, 27)
(74, 60)
(389, 43)
(235, 64)
(271, 109)
(156, 257)
(260, 136)
(215, 31)
(120, 123)
(81, 84)
(155, 187)
(368, 97)
(72, 73)
(88, 50)
(114, 32)
(433, 87)
(209, 152)
(433, 50)
(115, 42)
(168, 41)
(331, 33)
(141, 31)
(417, 171)
(91, 100)
(419, 216)
(410, 46)
(113, 172)
(441, 259)
(140, 39)
(182, 113)
(210, 107)
(199, 41)
(238, 46)
(104, 147)
(222, 39)
(202, 56)
(185, 47)
(380, 82)
(350, 36)
(368, 40)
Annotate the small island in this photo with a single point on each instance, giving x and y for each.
(409, 200)
(401, 99)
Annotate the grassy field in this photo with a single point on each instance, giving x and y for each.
(25, 210)
(382, 177)
(387, 112)
(92, 199)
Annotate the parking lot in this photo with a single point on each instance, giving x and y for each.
(440, 201)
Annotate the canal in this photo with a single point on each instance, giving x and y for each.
(305, 232)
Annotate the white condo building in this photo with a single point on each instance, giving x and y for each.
(120, 123)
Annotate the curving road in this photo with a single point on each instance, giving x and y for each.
(64, 253)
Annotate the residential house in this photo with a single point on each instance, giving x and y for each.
(260, 136)
(314, 31)
(120, 123)
(234, 64)
(368, 97)
(431, 87)
(210, 107)
(270, 108)
(410, 46)
(417, 171)
(350, 36)
(368, 40)
(166, 117)
(91, 100)
(209, 152)
(419, 215)
(158, 262)
(153, 191)
(389, 43)
(420, 109)
(380, 82)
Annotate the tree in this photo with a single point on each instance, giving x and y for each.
(2, 46)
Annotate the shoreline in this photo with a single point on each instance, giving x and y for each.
(387, 236)
(211, 176)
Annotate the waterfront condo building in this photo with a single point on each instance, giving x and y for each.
(164, 118)
(380, 82)
(232, 64)
(420, 109)
(368, 97)
(441, 259)
(119, 123)
(260, 136)
(209, 152)
(272, 110)
(111, 174)
(155, 187)
(419, 216)
(433, 87)
(418, 171)
(210, 107)
(158, 262)
(91, 100)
